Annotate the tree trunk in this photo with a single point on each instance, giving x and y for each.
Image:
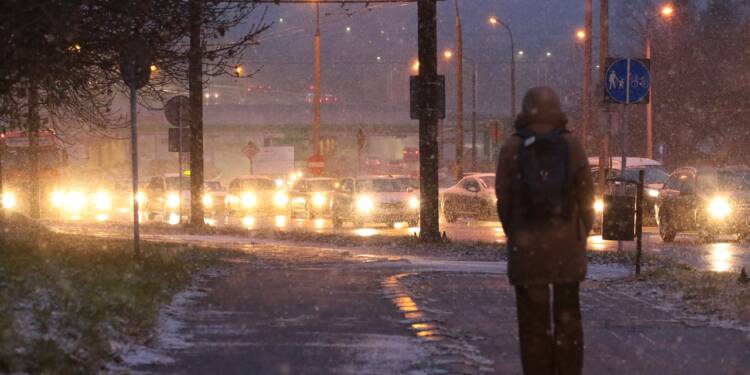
(32, 126)
(195, 86)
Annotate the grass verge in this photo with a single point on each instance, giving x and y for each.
(65, 300)
(716, 294)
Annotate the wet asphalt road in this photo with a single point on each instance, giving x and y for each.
(286, 309)
(724, 254)
(289, 309)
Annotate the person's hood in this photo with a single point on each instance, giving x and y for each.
(541, 111)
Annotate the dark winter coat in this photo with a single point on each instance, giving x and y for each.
(555, 254)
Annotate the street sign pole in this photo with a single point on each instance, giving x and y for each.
(623, 133)
(179, 153)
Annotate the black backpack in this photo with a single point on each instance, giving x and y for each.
(542, 180)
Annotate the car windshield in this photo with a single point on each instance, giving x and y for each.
(380, 185)
(321, 185)
(173, 183)
(489, 181)
(725, 180)
(213, 185)
(412, 183)
(258, 184)
(652, 175)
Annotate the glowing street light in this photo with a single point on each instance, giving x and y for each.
(667, 11)
(154, 68)
(549, 54)
(238, 70)
(581, 35)
(520, 53)
(493, 20)
(448, 54)
(415, 66)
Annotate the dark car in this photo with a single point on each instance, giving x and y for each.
(711, 201)
(472, 197)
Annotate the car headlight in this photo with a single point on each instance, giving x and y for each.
(9, 201)
(249, 200)
(75, 201)
(141, 198)
(280, 199)
(208, 201)
(319, 200)
(653, 193)
(365, 205)
(57, 198)
(102, 201)
(173, 200)
(599, 206)
(719, 208)
(413, 203)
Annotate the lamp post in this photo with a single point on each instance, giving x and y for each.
(448, 55)
(494, 21)
(666, 12)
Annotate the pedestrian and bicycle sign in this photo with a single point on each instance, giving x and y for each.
(627, 81)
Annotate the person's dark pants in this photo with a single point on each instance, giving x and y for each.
(550, 346)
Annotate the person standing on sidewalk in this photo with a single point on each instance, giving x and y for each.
(545, 199)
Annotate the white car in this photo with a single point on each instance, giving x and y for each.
(472, 197)
(374, 199)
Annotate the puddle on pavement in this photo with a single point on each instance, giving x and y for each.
(412, 313)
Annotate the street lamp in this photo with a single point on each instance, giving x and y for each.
(581, 35)
(474, 83)
(494, 21)
(666, 12)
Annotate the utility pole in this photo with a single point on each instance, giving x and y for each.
(603, 52)
(459, 169)
(649, 110)
(474, 81)
(315, 139)
(195, 88)
(587, 57)
(428, 152)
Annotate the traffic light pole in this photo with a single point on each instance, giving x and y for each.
(315, 139)
(428, 120)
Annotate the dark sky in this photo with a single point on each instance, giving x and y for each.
(367, 53)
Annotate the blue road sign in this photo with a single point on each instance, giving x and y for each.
(628, 81)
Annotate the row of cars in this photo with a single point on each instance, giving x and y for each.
(710, 201)
(365, 199)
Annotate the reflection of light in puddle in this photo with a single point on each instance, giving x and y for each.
(248, 221)
(426, 333)
(720, 257)
(280, 221)
(422, 326)
(174, 219)
(319, 223)
(400, 225)
(597, 243)
(365, 232)
(413, 231)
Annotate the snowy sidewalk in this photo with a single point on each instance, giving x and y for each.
(626, 331)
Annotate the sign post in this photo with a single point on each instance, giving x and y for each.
(627, 81)
(360, 145)
(250, 150)
(135, 68)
